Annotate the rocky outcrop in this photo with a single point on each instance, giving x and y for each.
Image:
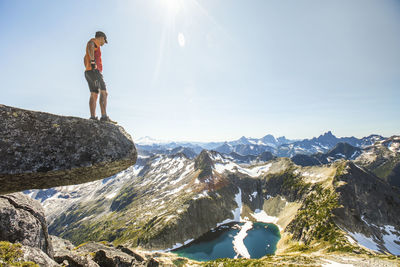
(65, 252)
(305, 160)
(23, 221)
(383, 159)
(31, 254)
(368, 205)
(41, 150)
(97, 254)
(19, 255)
(204, 164)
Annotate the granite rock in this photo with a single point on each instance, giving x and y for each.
(41, 150)
(23, 221)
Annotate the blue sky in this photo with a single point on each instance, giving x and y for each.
(205, 70)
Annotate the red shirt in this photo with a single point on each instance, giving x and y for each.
(97, 55)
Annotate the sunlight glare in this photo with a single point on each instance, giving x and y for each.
(173, 6)
(181, 39)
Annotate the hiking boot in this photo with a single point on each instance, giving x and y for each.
(107, 119)
(94, 118)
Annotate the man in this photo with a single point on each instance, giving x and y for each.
(94, 68)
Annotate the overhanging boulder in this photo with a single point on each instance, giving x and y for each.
(41, 150)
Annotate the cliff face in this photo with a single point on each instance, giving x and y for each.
(41, 150)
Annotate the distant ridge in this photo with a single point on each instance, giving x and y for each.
(281, 146)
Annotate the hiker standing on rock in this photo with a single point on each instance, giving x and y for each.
(94, 68)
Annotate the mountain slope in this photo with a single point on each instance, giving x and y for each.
(172, 200)
(340, 151)
(383, 159)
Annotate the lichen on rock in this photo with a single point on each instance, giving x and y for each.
(41, 150)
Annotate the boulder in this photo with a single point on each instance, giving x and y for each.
(23, 221)
(94, 254)
(40, 150)
(31, 254)
(65, 253)
(108, 255)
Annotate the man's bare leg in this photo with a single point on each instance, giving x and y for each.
(103, 102)
(92, 103)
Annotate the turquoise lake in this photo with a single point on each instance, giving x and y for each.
(261, 240)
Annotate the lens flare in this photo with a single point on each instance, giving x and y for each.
(181, 39)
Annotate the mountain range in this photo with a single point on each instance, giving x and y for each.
(337, 205)
(281, 146)
(326, 202)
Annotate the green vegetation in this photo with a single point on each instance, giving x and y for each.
(283, 260)
(294, 183)
(124, 199)
(384, 169)
(11, 255)
(316, 216)
(314, 223)
(81, 245)
(288, 183)
(180, 262)
(340, 170)
(298, 247)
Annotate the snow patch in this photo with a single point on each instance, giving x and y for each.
(394, 147)
(201, 195)
(231, 166)
(256, 171)
(262, 216)
(167, 193)
(253, 195)
(238, 244)
(177, 245)
(183, 175)
(112, 195)
(176, 168)
(238, 210)
(136, 170)
(367, 242)
(220, 168)
(390, 238)
(354, 154)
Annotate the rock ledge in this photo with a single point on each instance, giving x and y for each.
(41, 150)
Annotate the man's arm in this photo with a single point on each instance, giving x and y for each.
(91, 50)
(91, 54)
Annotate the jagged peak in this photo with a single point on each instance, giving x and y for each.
(327, 134)
(204, 164)
(243, 138)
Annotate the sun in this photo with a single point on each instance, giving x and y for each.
(173, 6)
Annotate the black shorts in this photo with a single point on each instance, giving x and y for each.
(95, 81)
